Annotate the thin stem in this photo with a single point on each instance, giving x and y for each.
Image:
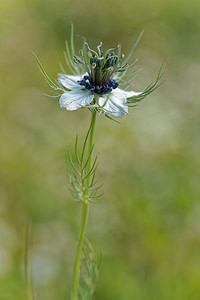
(91, 143)
(85, 212)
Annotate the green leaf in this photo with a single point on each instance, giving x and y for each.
(49, 81)
(126, 58)
(149, 89)
(72, 40)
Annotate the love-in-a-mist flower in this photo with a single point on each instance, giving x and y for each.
(96, 80)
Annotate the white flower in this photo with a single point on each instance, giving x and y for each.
(97, 84)
(112, 103)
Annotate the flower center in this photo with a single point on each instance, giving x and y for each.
(98, 89)
(100, 68)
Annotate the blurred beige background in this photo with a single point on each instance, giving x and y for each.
(148, 221)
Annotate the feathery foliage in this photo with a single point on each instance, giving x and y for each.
(79, 173)
(90, 272)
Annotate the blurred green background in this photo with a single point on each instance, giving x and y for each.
(148, 221)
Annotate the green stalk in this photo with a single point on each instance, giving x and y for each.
(84, 218)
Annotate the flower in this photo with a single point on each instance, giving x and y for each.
(81, 93)
(96, 80)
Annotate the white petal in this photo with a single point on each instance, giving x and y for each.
(70, 81)
(114, 104)
(73, 100)
(126, 94)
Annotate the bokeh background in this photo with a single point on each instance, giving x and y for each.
(148, 220)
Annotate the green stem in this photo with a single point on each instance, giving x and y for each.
(85, 212)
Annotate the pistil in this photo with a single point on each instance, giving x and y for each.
(100, 69)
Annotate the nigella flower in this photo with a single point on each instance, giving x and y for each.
(106, 97)
(97, 79)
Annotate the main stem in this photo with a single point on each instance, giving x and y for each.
(85, 212)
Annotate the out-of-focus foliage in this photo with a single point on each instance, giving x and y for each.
(148, 221)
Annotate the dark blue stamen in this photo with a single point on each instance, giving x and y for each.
(104, 89)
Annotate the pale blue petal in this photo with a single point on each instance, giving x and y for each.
(114, 105)
(127, 94)
(73, 100)
(70, 81)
